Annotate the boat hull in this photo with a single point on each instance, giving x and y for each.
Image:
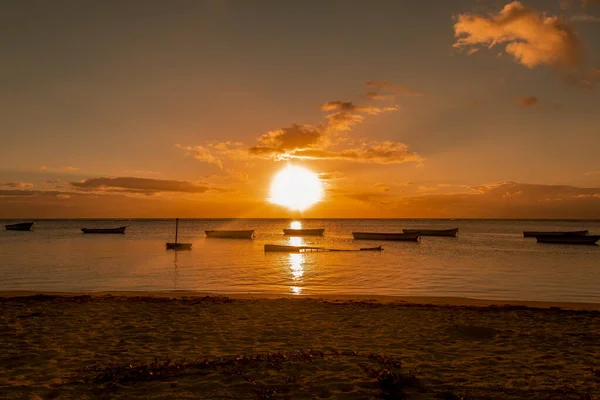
(277, 248)
(304, 232)
(537, 233)
(23, 226)
(433, 232)
(179, 246)
(410, 237)
(119, 230)
(230, 234)
(569, 239)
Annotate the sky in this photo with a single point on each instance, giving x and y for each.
(404, 109)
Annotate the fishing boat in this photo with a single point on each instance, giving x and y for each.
(23, 226)
(386, 236)
(568, 239)
(304, 232)
(120, 229)
(433, 232)
(277, 248)
(249, 234)
(176, 245)
(539, 233)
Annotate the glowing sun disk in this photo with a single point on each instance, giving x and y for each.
(296, 188)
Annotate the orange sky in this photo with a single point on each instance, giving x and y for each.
(469, 109)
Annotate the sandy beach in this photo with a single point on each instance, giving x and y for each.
(185, 346)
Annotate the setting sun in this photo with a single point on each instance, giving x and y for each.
(296, 188)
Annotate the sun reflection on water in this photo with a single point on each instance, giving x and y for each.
(296, 225)
(296, 265)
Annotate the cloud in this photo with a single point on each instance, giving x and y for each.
(203, 154)
(377, 96)
(17, 185)
(330, 176)
(139, 185)
(386, 152)
(56, 169)
(527, 101)
(532, 38)
(586, 78)
(499, 200)
(564, 4)
(328, 140)
(381, 187)
(584, 18)
(592, 173)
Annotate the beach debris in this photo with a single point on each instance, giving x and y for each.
(383, 371)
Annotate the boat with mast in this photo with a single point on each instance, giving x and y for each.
(176, 245)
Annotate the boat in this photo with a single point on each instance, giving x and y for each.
(176, 245)
(22, 226)
(538, 233)
(385, 236)
(304, 232)
(120, 229)
(278, 248)
(249, 234)
(568, 239)
(433, 232)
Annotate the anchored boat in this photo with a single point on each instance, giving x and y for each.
(433, 232)
(22, 226)
(568, 239)
(386, 236)
(540, 233)
(304, 232)
(277, 248)
(176, 245)
(120, 229)
(249, 234)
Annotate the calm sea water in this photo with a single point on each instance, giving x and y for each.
(490, 259)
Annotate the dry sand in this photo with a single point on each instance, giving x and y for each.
(75, 347)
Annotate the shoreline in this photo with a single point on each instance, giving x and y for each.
(383, 299)
(198, 345)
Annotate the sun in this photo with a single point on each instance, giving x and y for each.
(296, 188)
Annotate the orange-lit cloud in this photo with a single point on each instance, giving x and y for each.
(378, 96)
(368, 152)
(140, 185)
(325, 141)
(55, 169)
(532, 38)
(17, 185)
(527, 101)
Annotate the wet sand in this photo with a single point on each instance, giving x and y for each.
(81, 346)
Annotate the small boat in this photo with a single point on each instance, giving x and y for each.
(433, 232)
(230, 234)
(304, 232)
(277, 248)
(176, 245)
(568, 239)
(120, 229)
(385, 236)
(537, 233)
(23, 226)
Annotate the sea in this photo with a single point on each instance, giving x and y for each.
(489, 259)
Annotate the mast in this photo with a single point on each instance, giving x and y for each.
(176, 228)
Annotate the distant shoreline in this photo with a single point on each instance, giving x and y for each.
(384, 299)
(300, 218)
